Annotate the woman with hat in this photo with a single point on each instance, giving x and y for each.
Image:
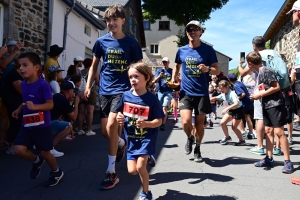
(53, 54)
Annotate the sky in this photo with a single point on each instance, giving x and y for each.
(232, 28)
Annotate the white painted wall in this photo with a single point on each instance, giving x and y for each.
(77, 40)
(165, 39)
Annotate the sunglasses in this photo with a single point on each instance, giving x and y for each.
(192, 29)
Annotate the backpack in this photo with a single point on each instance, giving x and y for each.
(273, 60)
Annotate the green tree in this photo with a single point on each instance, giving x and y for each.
(181, 12)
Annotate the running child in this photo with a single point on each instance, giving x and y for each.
(234, 112)
(118, 51)
(36, 129)
(140, 113)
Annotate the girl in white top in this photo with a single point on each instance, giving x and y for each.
(53, 74)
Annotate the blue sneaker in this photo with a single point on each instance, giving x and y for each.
(257, 150)
(225, 140)
(277, 151)
(146, 196)
(288, 167)
(265, 162)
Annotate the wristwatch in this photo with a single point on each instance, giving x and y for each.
(209, 68)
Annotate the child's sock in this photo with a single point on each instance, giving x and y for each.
(57, 170)
(37, 160)
(111, 164)
(175, 113)
(197, 144)
(121, 142)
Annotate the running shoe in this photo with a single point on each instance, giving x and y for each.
(10, 150)
(257, 150)
(89, 133)
(146, 196)
(36, 168)
(197, 154)
(56, 153)
(265, 162)
(288, 167)
(295, 180)
(251, 136)
(110, 181)
(80, 132)
(245, 134)
(189, 145)
(277, 151)
(225, 140)
(54, 178)
(290, 140)
(240, 143)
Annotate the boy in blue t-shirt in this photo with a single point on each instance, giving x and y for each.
(118, 51)
(244, 96)
(36, 129)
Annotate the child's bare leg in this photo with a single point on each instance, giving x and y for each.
(283, 141)
(144, 175)
(234, 126)
(269, 140)
(260, 131)
(277, 140)
(242, 126)
(226, 118)
(131, 167)
(249, 123)
(23, 152)
(50, 159)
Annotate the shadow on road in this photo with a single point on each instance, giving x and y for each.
(167, 177)
(176, 195)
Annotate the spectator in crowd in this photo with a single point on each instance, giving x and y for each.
(61, 128)
(54, 73)
(273, 111)
(86, 108)
(164, 93)
(12, 100)
(74, 69)
(53, 54)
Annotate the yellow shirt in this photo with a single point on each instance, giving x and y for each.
(49, 62)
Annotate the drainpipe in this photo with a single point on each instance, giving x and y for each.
(65, 33)
(49, 28)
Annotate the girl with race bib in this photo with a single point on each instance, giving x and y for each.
(140, 114)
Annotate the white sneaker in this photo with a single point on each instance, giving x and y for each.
(10, 150)
(245, 134)
(80, 132)
(290, 140)
(56, 153)
(89, 133)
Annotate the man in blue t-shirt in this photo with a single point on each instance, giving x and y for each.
(243, 94)
(164, 93)
(197, 60)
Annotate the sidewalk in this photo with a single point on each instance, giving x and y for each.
(226, 173)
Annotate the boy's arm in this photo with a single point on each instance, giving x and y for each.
(274, 87)
(45, 106)
(242, 95)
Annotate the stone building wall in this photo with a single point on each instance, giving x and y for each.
(27, 21)
(286, 40)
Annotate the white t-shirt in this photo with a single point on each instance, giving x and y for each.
(230, 97)
(55, 87)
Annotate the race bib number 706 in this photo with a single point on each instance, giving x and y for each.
(136, 111)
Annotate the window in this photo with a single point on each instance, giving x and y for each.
(87, 30)
(154, 48)
(130, 22)
(146, 25)
(164, 25)
(1, 24)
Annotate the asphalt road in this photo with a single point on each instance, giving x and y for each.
(226, 173)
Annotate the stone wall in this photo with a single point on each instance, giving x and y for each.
(27, 21)
(286, 40)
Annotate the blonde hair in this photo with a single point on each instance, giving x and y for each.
(145, 70)
(254, 57)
